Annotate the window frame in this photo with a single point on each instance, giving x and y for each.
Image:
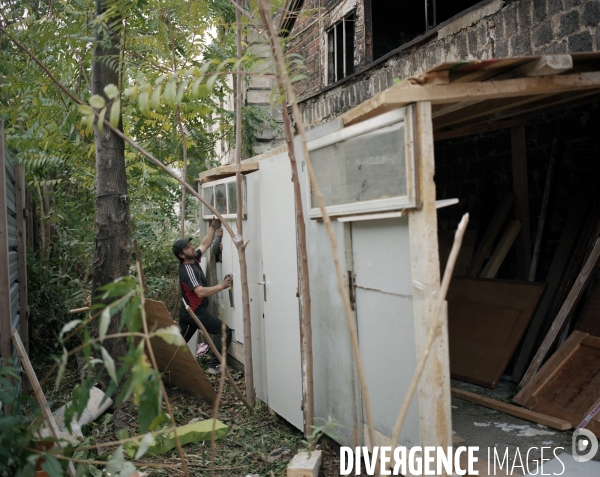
(207, 214)
(346, 62)
(408, 201)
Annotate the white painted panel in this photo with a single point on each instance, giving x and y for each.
(282, 327)
(385, 321)
(336, 389)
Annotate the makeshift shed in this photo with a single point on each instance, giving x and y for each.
(387, 228)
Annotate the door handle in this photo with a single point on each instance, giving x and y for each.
(264, 284)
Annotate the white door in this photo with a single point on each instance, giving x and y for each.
(281, 315)
(384, 312)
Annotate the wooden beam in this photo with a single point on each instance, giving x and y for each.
(546, 65)
(22, 254)
(395, 97)
(490, 235)
(510, 234)
(39, 393)
(521, 190)
(558, 147)
(583, 279)
(512, 410)
(226, 171)
(483, 108)
(577, 214)
(434, 386)
(6, 351)
(479, 129)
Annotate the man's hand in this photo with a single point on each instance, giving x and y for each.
(215, 224)
(220, 233)
(227, 282)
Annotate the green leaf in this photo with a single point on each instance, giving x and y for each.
(131, 92)
(116, 462)
(115, 113)
(211, 82)
(127, 469)
(170, 93)
(171, 334)
(89, 124)
(111, 91)
(155, 97)
(149, 406)
(143, 103)
(71, 325)
(145, 443)
(85, 110)
(62, 364)
(97, 101)
(100, 122)
(52, 466)
(180, 90)
(109, 363)
(104, 322)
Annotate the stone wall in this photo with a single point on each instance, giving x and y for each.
(497, 29)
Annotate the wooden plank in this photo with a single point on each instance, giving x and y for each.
(490, 234)
(39, 393)
(434, 386)
(227, 171)
(486, 320)
(479, 129)
(550, 367)
(521, 190)
(177, 363)
(394, 97)
(6, 351)
(504, 245)
(589, 319)
(22, 255)
(558, 148)
(583, 279)
(568, 384)
(513, 410)
(545, 65)
(577, 214)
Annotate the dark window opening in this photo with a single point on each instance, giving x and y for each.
(395, 23)
(340, 49)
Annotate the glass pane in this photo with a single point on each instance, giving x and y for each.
(232, 201)
(365, 167)
(221, 199)
(208, 194)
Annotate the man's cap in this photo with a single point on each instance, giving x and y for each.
(179, 245)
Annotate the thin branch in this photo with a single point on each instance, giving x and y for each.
(291, 96)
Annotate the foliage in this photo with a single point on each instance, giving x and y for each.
(16, 431)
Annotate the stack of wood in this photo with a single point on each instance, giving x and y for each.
(543, 335)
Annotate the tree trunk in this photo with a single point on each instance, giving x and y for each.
(112, 253)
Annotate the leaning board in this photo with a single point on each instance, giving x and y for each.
(568, 384)
(178, 366)
(487, 319)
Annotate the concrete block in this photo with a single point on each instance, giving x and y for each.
(258, 97)
(303, 465)
(193, 432)
(260, 82)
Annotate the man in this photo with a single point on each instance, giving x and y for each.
(195, 292)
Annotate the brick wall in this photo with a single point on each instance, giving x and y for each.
(499, 29)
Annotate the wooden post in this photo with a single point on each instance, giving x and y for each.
(520, 187)
(6, 350)
(22, 254)
(434, 388)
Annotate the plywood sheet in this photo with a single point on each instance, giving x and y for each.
(178, 365)
(568, 384)
(486, 320)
